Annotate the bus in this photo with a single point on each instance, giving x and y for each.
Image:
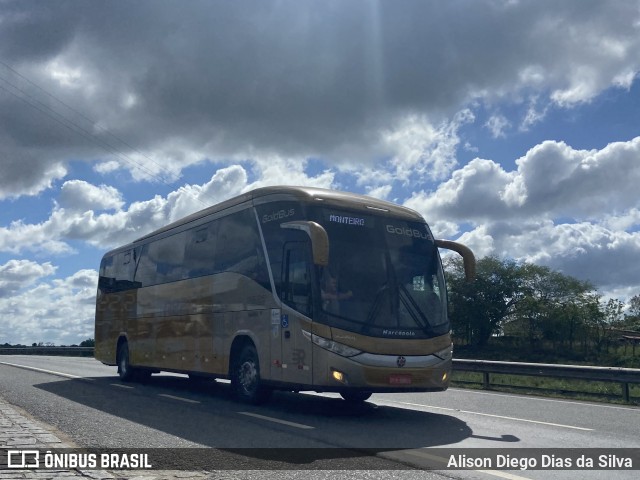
(283, 288)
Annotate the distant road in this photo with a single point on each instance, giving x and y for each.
(86, 402)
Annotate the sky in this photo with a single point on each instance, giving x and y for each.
(511, 126)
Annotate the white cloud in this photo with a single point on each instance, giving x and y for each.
(322, 86)
(61, 311)
(574, 210)
(106, 167)
(375, 94)
(535, 113)
(225, 183)
(65, 75)
(556, 179)
(20, 178)
(275, 170)
(18, 274)
(422, 150)
(472, 193)
(551, 180)
(583, 250)
(82, 196)
(380, 192)
(625, 221)
(74, 219)
(497, 124)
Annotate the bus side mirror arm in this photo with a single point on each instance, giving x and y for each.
(468, 258)
(318, 236)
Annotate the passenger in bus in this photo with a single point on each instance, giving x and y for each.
(331, 295)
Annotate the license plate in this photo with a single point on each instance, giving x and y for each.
(400, 379)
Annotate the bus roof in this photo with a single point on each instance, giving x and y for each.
(303, 194)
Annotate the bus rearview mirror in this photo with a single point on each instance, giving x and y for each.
(318, 236)
(468, 258)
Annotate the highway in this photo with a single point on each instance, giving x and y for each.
(86, 403)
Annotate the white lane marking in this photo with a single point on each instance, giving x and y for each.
(182, 399)
(496, 473)
(557, 400)
(119, 385)
(491, 415)
(277, 420)
(51, 372)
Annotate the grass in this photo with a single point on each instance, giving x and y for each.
(609, 392)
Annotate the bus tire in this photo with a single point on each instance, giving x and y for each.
(125, 370)
(245, 377)
(355, 396)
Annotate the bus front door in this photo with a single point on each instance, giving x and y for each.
(295, 314)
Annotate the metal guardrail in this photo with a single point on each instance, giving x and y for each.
(62, 351)
(623, 376)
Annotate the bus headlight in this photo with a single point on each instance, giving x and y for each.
(339, 376)
(335, 347)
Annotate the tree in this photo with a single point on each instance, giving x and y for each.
(632, 317)
(479, 308)
(89, 342)
(530, 302)
(612, 311)
(555, 307)
(611, 317)
(634, 306)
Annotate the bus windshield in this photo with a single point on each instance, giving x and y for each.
(384, 277)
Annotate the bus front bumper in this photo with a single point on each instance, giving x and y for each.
(386, 373)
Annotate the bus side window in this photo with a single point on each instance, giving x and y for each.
(296, 285)
(199, 252)
(107, 280)
(123, 267)
(146, 269)
(168, 256)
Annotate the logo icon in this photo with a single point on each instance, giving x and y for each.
(23, 459)
(401, 361)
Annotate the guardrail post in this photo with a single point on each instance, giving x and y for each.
(625, 392)
(486, 382)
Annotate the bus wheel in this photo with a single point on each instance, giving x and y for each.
(125, 371)
(245, 378)
(355, 396)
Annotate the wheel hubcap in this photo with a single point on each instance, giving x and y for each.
(248, 375)
(123, 366)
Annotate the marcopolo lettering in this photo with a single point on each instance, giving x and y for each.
(408, 232)
(398, 333)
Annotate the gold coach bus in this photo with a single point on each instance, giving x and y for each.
(283, 288)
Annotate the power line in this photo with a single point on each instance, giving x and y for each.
(52, 114)
(80, 114)
(78, 129)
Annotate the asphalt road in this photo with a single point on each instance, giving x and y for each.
(384, 438)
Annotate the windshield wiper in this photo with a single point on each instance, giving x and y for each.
(375, 307)
(414, 310)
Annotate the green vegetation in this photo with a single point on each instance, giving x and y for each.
(521, 312)
(51, 349)
(529, 313)
(549, 387)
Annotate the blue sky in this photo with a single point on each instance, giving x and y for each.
(512, 126)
